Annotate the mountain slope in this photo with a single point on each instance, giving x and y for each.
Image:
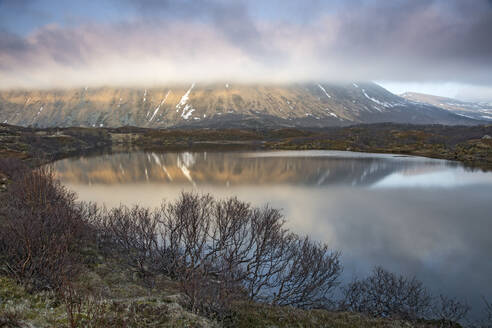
(218, 105)
(475, 110)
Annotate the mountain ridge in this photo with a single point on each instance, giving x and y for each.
(475, 110)
(219, 105)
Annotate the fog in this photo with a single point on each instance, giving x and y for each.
(160, 42)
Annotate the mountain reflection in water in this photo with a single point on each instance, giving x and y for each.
(312, 168)
(423, 217)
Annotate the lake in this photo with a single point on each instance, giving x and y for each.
(424, 217)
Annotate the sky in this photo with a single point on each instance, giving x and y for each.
(442, 47)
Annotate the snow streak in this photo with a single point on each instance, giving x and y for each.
(326, 93)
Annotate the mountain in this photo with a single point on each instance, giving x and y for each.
(219, 105)
(475, 110)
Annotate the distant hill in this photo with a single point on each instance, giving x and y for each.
(475, 110)
(219, 105)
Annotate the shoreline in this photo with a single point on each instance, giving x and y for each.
(468, 146)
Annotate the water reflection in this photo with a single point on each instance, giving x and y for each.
(315, 168)
(419, 216)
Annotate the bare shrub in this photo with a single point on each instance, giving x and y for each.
(208, 295)
(385, 294)
(249, 247)
(224, 249)
(449, 310)
(311, 273)
(11, 166)
(73, 306)
(40, 230)
(82, 310)
(131, 232)
(185, 232)
(488, 313)
(269, 251)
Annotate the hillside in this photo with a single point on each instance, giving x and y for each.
(475, 110)
(219, 105)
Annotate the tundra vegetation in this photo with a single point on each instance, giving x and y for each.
(469, 145)
(193, 262)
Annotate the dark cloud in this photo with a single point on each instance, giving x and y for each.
(11, 46)
(419, 28)
(11, 43)
(230, 18)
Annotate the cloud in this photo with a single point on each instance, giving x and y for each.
(208, 40)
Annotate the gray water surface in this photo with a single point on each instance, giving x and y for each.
(418, 216)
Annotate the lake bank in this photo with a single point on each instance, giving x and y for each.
(469, 145)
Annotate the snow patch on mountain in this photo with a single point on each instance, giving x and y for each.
(382, 103)
(187, 111)
(158, 107)
(185, 98)
(464, 115)
(326, 93)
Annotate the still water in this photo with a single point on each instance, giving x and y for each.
(418, 216)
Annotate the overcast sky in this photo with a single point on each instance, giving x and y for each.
(437, 46)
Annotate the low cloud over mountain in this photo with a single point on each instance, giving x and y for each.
(109, 42)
